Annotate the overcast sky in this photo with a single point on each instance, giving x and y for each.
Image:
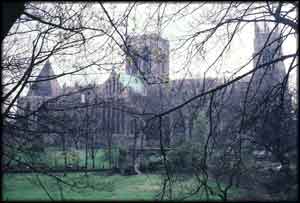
(240, 52)
(142, 21)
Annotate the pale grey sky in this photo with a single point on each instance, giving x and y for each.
(240, 52)
(143, 21)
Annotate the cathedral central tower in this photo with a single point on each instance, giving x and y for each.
(267, 48)
(148, 58)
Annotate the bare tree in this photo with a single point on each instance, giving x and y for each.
(247, 112)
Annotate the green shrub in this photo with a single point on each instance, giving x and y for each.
(73, 157)
(37, 147)
(152, 162)
(185, 156)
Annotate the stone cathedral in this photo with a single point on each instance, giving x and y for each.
(122, 108)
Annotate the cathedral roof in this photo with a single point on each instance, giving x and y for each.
(44, 85)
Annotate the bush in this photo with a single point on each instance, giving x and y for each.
(152, 163)
(37, 147)
(73, 157)
(113, 154)
(184, 156)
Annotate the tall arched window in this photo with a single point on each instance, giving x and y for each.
(268, 57)
(133, 126)
(146, 57)
(122, 120)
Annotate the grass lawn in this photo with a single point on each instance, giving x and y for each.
(91, 187)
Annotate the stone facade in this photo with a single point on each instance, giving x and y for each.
(119, 109)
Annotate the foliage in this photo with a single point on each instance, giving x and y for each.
(200, 127)
(73, 157)
(189, 152)
(112, 155)
(152, 162)
(185, 156)
(37, 147)
(54, 158)
(122, 158)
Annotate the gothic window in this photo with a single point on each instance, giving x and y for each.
(122, 120)
(103, 117)
(117, 122)
(113, 120)
(133, 126)
(268, 57)
(146, 57)
(114, 86)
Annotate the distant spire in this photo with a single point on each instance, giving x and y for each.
(44, 85)
(48, 63)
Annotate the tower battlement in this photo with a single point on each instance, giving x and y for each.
(266, 37)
